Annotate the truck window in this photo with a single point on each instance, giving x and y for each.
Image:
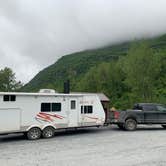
(149, 108)
(137, 107)
(161, 108)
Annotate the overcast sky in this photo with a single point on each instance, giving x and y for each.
(35, 33)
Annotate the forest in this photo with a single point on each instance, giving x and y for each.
(140, 76)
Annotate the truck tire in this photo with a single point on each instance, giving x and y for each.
(164, 126)
(48, 132)
(34, 133)
(130, 125)
(121, 126)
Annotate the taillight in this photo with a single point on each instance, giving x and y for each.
(116, 115)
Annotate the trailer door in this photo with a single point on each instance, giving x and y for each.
(73, 113)
(10, 119)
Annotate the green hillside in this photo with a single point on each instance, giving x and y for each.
(72, 66)
(77, 64)
(127, 73)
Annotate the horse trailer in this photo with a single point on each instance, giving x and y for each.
(40, 114)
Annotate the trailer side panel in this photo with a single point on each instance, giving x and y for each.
(10, 119)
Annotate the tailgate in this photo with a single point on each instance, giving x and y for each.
(116, 116)
(112, 116)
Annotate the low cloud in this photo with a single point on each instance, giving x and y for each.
(34, 34)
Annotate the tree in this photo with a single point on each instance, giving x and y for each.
(161, 78)
(107, 78)
(141, 66)
(8, 80)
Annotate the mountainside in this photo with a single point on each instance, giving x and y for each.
(75, 66)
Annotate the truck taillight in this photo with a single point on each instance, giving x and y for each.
(116, 115)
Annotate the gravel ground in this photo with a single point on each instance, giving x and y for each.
(106, 146)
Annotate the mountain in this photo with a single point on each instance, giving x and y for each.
(75, 66)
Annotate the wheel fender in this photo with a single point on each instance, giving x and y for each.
(48, 125)
(32, 126)
(131, 117)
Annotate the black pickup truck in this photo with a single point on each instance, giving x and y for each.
(142, 113)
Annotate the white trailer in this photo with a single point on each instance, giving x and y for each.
(40, 114)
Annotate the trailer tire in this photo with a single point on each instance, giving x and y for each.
(34, 133)
(130, 125)
(48, 132)
(121, 126)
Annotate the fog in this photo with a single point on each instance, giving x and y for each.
(35, 34)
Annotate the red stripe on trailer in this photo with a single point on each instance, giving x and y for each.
(46, 117)
(54, 115)
(38, 118)
(92, 117)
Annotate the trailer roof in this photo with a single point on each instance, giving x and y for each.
(101, 96)
(44, 94)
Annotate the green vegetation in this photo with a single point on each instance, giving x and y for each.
(8, 80)
(127, 73)
(137, 77)
(73, 67)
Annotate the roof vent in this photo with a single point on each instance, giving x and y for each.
(47, 91)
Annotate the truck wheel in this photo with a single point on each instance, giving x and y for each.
(121, 126)
(48, 132)
(34, 133)
(130, 124)
(164, 126)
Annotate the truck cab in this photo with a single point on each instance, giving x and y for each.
(142, 113)
(152, 113)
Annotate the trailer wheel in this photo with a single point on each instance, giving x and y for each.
(48, 132)
(121, 126)
(34, 133)
(130, 125)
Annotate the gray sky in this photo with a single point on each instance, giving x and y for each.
(35, 33)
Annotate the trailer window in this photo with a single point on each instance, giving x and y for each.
(82, 109)
(50, 107)
(45, 107)
(73, 104)
(6, 98)
(9, 98)
(56, 107)
(12, 98)
(87, 109)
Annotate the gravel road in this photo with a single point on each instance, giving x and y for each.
(106, 146)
